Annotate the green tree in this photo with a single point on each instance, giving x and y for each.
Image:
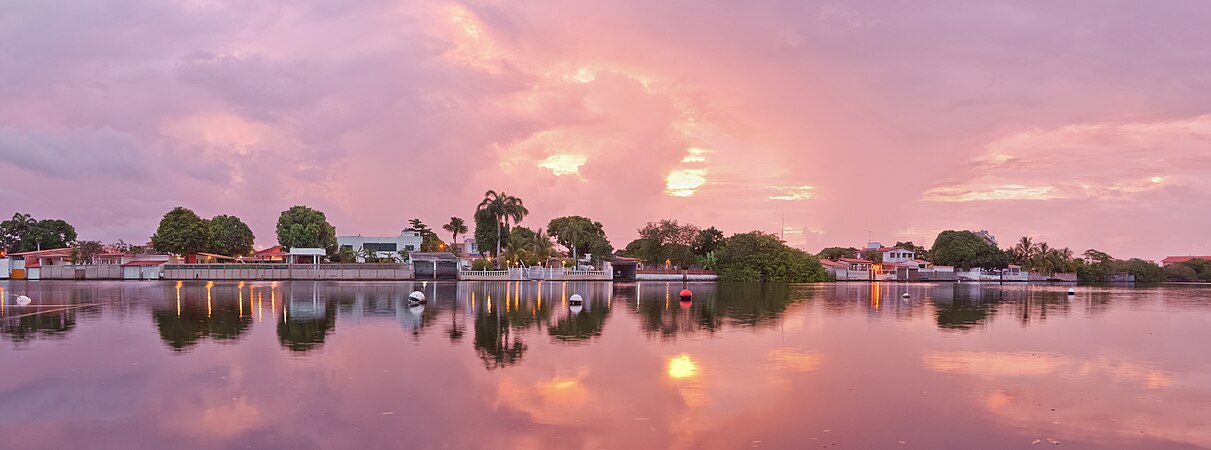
(529, 247)
(82, 252)
(303, 227)
(965, 249)
(759, 256)
(181, 232)
(12, 232)
(503, 208)
(485, 231)
(707, 241)
(228, 235)
(581, 235)
(50, 233)
(872, 255)
(835, 253)
(668, 241)
(456, 227)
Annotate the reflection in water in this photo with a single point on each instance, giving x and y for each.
(233, 365)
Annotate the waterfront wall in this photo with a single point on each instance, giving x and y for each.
(675, 275)
(268, 272)
(80, 272)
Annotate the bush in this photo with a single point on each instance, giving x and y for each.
(481, 264)
(759, 256)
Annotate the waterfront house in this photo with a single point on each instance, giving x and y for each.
(271, 254)
(1171, 260)
(897, 255)
(857, 268)
(384, 247)
(836, 269)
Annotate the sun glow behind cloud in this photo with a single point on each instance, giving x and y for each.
(563, 164)
(792, 192)
(684, 182)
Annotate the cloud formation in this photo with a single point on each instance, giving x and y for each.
(1042, 119)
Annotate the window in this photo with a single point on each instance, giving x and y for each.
(346, 247)
(380, 246)
(410, 248)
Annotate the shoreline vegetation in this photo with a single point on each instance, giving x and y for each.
(579, 240)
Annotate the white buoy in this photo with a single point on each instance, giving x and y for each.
(1071, 291)
(416, 297)
(23, 300)
(575, 299)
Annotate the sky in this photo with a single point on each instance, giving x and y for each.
(1083, 125)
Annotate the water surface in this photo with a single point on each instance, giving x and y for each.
(513, 365)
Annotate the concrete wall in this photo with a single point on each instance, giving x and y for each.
(251, 272)
(80, 272)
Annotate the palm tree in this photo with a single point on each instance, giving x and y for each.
(1024, 251)
(456, 227)
(573, 230)
(502, 207)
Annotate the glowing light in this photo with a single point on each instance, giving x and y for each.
(682, 366)
(695, 154)
(684, 182)
(792, 192)
(563, 164)
(1157, 179)
(1002, 192)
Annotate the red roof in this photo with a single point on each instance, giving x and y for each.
(271, 252)
(49, 252)
(1177, 259)
(144, 263)
(854, 260)
(833, 263)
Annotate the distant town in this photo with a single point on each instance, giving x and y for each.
(494, 246)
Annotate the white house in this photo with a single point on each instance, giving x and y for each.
(409, 240)
(470, 247)
(897, 255)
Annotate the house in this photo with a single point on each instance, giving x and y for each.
(897, 255)
(469, 248)
(383, 247)
(1171, 260)
(269, 255)
(836, 269)
(856, 268)
(27, 265)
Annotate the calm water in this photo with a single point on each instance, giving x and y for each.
(496, 365)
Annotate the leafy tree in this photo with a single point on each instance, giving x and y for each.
(418, 225)
(1144, 271)
(502, 208)
(431, 243)
(485, 231)
(82, 252)
(345, 254)
(23, 233)
(456, 227)
(908, 245)
(707, 241)
(181, 232)
(872, 255)
(759, 256)
(835, 253)
(581, 235)
(1023, 251)
(228, 235)
(668, 241)
(965, 249)
(529, 247)
(303, 227)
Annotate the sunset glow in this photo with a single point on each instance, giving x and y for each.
(843, 119)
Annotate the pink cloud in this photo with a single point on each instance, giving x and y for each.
(883, 118)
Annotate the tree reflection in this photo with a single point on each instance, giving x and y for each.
(582, 326)
(713, 307)
(26, 328)
(185, 323)
(307, 325)
(496, 343)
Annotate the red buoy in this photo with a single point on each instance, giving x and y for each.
(686, 295)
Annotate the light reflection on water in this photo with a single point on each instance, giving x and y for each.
(323, 364)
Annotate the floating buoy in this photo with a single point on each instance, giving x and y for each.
(575, 299)
(686, 295)
(1071, 291)
(416, 297)
(906, 295)
(23, 300)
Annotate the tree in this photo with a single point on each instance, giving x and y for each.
(920, 251)
(580, 235)
(49, 233)
(13, 230)
(455, 228)
(82, 252)
(230, 236)
(759, 256)
(1023, 251)
(503, 208)
(429, 240)
(872, 255)
(181, 232)
(419, 226)
(668, 242)
(965, 249)
(303, 227)
(485, 231)
(835, 253)
(529, 247)
(707, 241)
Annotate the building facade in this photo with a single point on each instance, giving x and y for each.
(383, 247)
